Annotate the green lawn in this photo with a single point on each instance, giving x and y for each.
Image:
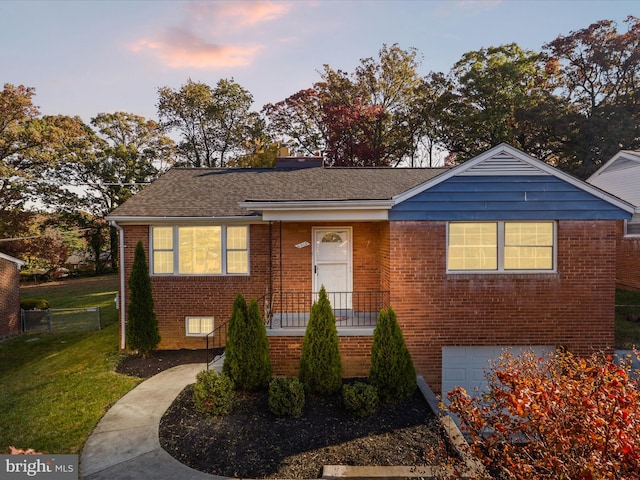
(54, 388)
(627, 333)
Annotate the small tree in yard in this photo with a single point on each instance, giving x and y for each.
(142, 325)
(320, 364)
(233, 350)
(257, 364)
(554, 418)
(392, 371)
(247, 360)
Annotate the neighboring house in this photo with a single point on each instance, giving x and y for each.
(620, 176)
(501, 251)
(85, 260)
(9, 295)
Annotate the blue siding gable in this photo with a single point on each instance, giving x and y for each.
(498, 197)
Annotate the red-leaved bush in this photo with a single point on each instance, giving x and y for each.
(558, 417)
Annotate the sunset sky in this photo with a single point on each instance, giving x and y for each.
(89, 57)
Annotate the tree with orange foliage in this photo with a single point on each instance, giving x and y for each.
(555, 418)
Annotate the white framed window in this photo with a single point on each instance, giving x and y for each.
(198, 326)
(501, 246)
(632, 227)
(200, 250)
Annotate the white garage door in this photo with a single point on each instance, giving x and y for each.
(466, 366)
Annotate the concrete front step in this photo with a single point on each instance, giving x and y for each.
(216, 364)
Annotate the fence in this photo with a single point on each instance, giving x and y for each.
(61, 320)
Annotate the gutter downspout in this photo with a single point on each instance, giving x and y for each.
(123, 310)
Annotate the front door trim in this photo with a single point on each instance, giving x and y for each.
(317, 263)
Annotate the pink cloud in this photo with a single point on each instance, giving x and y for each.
(178, 48)
(239, 14)
(196, 43)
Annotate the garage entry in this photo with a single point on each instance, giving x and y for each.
(466, 366)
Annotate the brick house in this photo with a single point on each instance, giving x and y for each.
(9, 295)
(501, 251)
(620, 176)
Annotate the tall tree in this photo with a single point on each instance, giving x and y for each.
(31, 146)
(494, 91)
(214, 122)
(422, 121)
(363, 111)
(358, 118)
(299, 121)
(190, 110)
(598, 72)
(125, 152)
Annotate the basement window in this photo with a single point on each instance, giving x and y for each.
(199, 326)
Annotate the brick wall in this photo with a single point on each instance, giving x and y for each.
(573, 308)
(628, 258)
(355, 353)
(296, 263)
(9, 298)
(176, 297)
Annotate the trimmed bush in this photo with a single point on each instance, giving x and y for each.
(247, 361)
(286, 396)
(257, 361)
(392, 371)
(360, 399)
(34, 304)
(233, 350)
(320, 364)
(213, 393)
(142, 325)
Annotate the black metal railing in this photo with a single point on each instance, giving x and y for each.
(216, 340)
(292, 310)
(351, 309)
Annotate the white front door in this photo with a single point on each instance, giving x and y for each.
(332, 264)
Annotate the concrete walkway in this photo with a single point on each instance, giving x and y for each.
(125, 444)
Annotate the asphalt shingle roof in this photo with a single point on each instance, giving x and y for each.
(190, 192)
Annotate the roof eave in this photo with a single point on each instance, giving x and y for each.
(626, 154)
(329, 211)
(17, 261)
(307, 205)
(149, 220)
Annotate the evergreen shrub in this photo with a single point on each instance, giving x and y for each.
(247, 361)
(360, 398)
(392, 371)
(320, 364)
(213, 393)
(286, 396)
(233, 350)
(142, 325)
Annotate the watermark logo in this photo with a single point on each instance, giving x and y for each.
(45, 467)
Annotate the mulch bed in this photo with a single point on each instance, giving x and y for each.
(161, 360)
(251, 442)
